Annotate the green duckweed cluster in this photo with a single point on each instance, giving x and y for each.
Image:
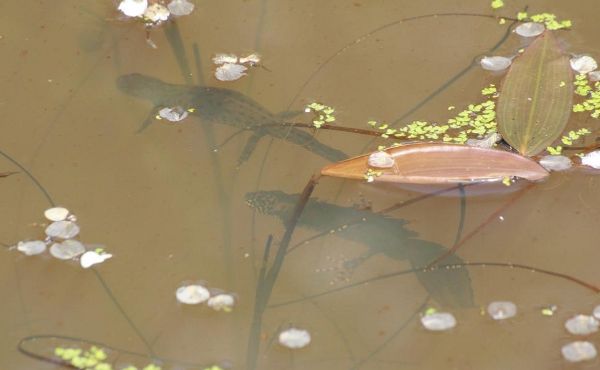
(95, 359)
(592, 95)
(548, 19)
(477, 120)
(496, 4)
(323, 114)
(567, 140)
(371, 174)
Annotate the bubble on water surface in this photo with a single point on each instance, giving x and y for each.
(381, 159)
(294, 338)
(180, 7)
(192, 294)
(495, 63)
(67, 249)
(230, 72)
(530, 29)
(582, 325)
(133, 8)
(578, 351)
(91, 258)
(62, 230)
(556, 162)
(56, 213)
(583, 64)
(174, 114)
(31, 247)
(592, 159)
(438, 321)
(501, 310)
(221, 302)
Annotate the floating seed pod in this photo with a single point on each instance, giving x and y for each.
(294, 338)
(31, 247)
(530, 29)
(501, 310)
(495, 63)
(438, 321)
(62, 230)
(192, 294)
(583, 64)
(67, 249)
(381, 159)
(582, 325)
(56, 213)
(556, 162)
(579, 351)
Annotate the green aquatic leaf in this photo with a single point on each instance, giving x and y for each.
(535, 99)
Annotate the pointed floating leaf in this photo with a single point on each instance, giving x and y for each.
(441, 164)
(535, 99)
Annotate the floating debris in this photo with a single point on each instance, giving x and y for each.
(530, 29)
(91, 258)
(487, 142)
(549, 310)
(252, 59)
(156, 14)
(180, 7)
(501, 310)
(381, 159)
(591, 159)
(582, 325)
(556, 162)
(221, 302)
(192, 294)
(230, 72)
(495, 63)
(32, 247)
(294, 338)
(594, 76)
(438, 321)
(174, 114)
(56, 213)
(225, 58)
(578, 351)
(583, 64)
(133, 8)
(67, 249)
(62, 230)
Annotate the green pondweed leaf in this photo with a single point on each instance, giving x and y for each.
(535, 99)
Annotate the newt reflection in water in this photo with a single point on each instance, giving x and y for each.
(225, 106)
(382, 234)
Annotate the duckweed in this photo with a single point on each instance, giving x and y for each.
(323, 114)
(547, 19)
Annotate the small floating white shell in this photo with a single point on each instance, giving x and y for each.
(495, 63)
(579, 351)
(294, 338)
(67, 249)
(583, 64)
(221, 302)
(174, 114)
(192, 294)
(230, 72)
(592, 159)
(582, 325)
(594, 76)
(225, 58)
(133, 8)
(31, 247)
(252, 59)
(556, 162)
(62, 230)
(56, 213)
(530, 29)
(91, 258)
(157, 13)
(381, 159)
(502, 310)
(438, 321)
(180, 7)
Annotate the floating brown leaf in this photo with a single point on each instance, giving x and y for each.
(442, 164)
(535, 99)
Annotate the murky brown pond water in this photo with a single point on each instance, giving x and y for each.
(172, 209)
